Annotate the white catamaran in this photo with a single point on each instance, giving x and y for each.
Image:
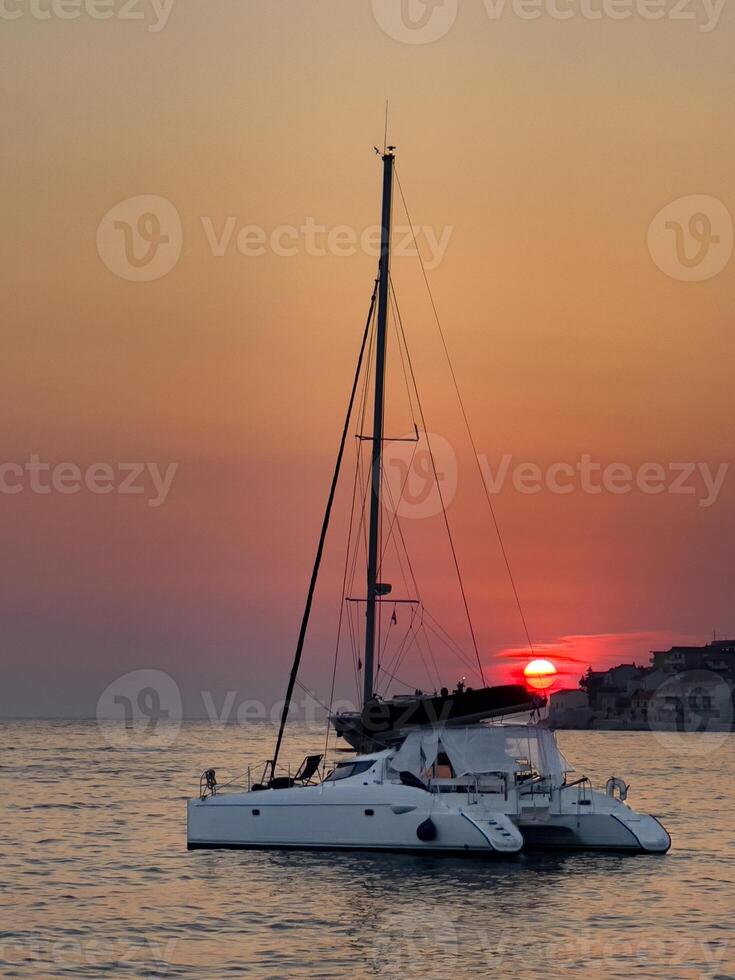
(431, 773)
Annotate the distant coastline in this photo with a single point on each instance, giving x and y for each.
(687, 689)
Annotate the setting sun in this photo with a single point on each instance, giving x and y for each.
(540, 674)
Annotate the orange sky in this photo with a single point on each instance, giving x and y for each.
(546, 146)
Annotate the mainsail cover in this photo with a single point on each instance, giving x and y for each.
(483, 749)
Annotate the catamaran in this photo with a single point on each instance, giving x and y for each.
(438, 772)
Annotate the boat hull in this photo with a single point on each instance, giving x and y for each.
(251, 822)
(396, 818)
(597, 832)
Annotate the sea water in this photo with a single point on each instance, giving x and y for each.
(95, 878)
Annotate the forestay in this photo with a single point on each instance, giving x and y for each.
(483, 749)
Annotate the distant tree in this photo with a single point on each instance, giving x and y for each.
(584, 682)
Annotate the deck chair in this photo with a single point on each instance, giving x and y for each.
(302, 778)
(307, 769)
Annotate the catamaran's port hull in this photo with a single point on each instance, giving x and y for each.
(375, 817)
(481, 854)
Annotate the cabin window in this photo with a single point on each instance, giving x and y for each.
(443, 767)
(370, 813)
(256, 813)
(346, 769)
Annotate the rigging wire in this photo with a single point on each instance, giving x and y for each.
(465, 660)
(405, 374)
(354, 648)
(396, 504)
(322, 539)
(430, 648)
(362, 483)
(446, 638)
(395, 662)
(344, 581)
(413, 634)
(354, 635)
(450, 642)
(438, 486)
(361, 480)
(397, 524)
(467, 423)
(393, 665)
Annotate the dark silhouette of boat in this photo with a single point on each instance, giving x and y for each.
(382, 722)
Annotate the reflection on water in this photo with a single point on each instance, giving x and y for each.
(96, 876)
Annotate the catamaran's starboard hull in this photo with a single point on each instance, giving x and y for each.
(595, 833)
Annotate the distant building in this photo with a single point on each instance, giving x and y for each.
(624, 676)
(685, 687)
(640, 705)
(569, 709)
(717, 656)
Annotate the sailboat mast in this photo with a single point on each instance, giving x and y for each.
(377, 437)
